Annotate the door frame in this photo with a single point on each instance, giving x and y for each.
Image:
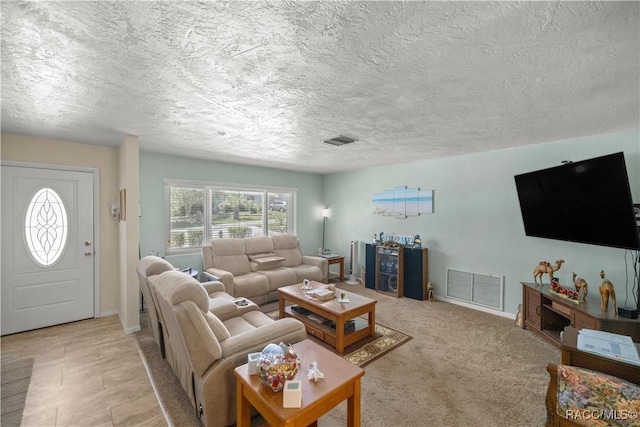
(96, 217)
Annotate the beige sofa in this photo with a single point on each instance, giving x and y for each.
(255, 267)
(206, 349)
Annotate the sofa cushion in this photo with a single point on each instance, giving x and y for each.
(278, 277)
(229, 254)
(250, 285)
(157, 266)
(217, 327)
(286, 246)
(258, 245)
(247, 322)
(306, 271)
(183, 287)
(228, 246)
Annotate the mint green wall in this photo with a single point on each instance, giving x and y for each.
(156, 167)
(476, 225)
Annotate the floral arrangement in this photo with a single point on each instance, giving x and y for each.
(276, 364)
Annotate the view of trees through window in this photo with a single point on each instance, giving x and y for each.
(196, 215)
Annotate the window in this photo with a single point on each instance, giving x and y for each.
(196, 213)
(45, 227)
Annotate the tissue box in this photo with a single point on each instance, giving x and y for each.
(252, 361)
(292, 397)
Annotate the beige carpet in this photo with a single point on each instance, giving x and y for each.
(462, 367)
(369, 349)
(16, 376)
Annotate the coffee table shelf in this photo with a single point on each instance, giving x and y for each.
(324, 331)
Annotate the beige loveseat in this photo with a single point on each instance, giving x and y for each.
(206, 349)
(255, 267)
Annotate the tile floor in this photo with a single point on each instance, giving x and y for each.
(86, 373)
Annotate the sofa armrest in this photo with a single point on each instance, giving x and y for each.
(216, 274)
(222, 308)
(319, 262)
(213, 286)
(287, 330)
(551, 399)
(200, 344)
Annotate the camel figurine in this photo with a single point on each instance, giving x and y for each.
(545, 267)
(607, 292)
(581, 287)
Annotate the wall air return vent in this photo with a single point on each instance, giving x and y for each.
(476, 288)
(340, 140)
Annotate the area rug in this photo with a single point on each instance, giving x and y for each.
(16, 376)
(369, 349)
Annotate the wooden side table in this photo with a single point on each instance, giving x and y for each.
(337, 259)
(341, 381)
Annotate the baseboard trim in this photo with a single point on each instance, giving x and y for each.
(478, 308)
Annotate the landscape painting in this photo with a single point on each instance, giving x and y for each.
(402, 202)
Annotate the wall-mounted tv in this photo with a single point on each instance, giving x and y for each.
(587, 201)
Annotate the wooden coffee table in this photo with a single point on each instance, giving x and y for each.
(341, 381)
(334, 311)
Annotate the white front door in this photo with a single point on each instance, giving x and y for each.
(47, 247)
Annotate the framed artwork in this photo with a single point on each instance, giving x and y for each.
(402, 202)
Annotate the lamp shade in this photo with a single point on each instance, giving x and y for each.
(325, 212)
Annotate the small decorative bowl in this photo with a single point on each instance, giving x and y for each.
(276, 364)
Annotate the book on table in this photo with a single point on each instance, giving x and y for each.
(610, 345)
(316, 318)
(323, 294)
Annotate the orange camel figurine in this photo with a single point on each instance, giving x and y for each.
(545, 268)
(607, 292)
(581, 287)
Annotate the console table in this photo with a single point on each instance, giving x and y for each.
(547, 314)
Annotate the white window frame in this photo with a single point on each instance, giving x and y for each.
(224, 186)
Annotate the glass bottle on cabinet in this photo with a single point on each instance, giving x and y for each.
(390, 271)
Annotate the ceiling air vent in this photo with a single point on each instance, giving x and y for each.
(340, 140)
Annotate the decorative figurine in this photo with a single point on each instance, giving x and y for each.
(431, 291)
(545, 267)
(417, 241)
(607, 292)
(581, 287)
(519, 319)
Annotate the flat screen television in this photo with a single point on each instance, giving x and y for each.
(587, 201)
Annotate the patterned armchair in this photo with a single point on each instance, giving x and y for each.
(579, 396)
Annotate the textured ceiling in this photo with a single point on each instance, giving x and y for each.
(265, 82)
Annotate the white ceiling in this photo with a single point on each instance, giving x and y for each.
(265, 82)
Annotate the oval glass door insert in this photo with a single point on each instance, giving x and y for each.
(45, 227)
